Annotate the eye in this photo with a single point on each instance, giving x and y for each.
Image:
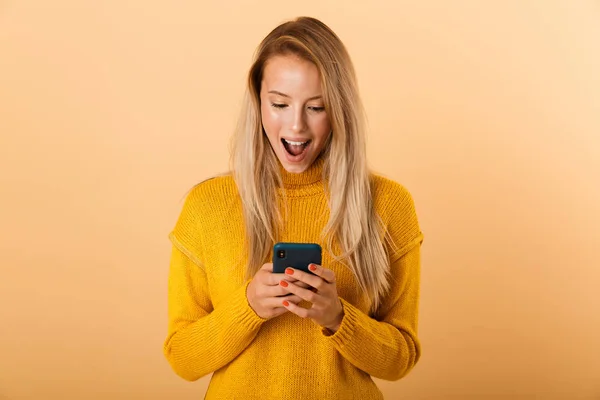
(317, 109)
(278, 105)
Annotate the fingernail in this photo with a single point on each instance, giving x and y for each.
(285, 303)
(312, 267)
(283, 283)
(289, 271)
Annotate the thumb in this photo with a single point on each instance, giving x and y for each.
(267, 267)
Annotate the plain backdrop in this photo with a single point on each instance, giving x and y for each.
(488, 112)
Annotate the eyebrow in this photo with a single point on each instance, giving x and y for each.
(285, 95)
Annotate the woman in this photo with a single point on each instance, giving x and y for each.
(299, 175)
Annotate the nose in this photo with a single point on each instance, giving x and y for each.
(298, 122)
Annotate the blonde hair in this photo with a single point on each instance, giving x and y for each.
(353, 224)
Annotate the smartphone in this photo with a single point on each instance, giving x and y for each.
(295, 255)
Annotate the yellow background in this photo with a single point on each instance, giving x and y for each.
(489, 112)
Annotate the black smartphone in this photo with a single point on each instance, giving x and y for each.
(295, 255)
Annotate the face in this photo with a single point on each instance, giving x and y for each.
(292, 111)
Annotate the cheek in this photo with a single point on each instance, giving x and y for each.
(270, 121)
(321, 127)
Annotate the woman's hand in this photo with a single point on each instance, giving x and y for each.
(326, 308)
(264, 292)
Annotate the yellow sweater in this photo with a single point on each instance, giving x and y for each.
(212, 328)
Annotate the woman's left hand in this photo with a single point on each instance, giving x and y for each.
(326, 308)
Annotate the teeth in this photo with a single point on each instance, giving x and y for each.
(295, 143)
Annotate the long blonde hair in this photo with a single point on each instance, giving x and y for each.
(353, 224)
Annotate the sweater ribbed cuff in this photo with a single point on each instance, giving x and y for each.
(242, 312)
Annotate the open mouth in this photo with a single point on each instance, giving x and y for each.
(295, 149)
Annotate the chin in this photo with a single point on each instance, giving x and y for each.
(294, 168)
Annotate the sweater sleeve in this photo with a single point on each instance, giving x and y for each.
(387, 346)
(202, 339)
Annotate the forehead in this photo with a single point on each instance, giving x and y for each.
(291, 75)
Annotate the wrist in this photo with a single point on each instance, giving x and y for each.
(335, 325)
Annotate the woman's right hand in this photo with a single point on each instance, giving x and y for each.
(265, 295)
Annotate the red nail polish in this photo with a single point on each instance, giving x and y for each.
(285, 303)
(289, 271)
(283, 283)
(312, 267)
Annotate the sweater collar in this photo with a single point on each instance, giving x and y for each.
(304, 183)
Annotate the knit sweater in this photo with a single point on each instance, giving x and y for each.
(212, 328)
